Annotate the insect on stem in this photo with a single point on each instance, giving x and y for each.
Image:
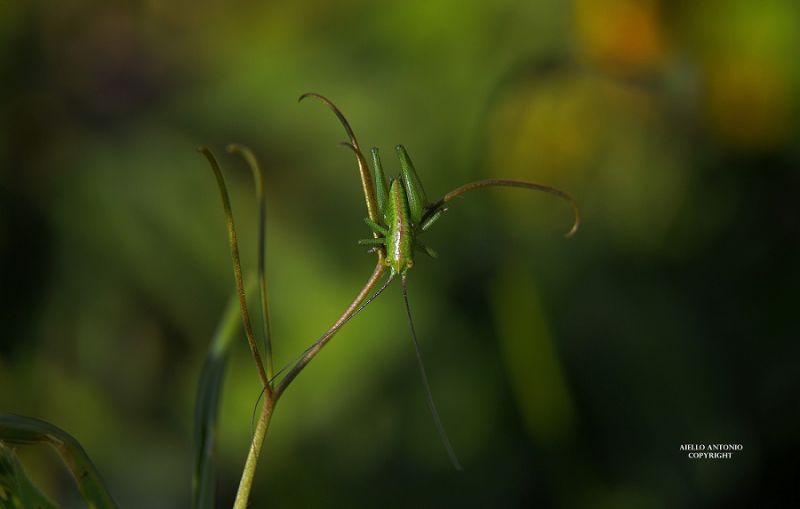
(428, 393)
(398, 213)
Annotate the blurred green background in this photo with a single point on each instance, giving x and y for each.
(568, 372)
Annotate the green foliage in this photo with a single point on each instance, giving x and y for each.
(15, 429)
(16, 490)
(209, 392)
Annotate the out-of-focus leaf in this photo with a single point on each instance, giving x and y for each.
(206, 411)
(17, 429)
(16, 490)
(532, 362)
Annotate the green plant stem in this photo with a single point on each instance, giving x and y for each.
(237, 265)
(258, 179)
(271, 397)
(367, 184)
(371, 283)
(249, 472)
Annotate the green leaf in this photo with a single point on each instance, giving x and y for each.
(209, 389)
(16, 490)
(16, 429)
(529, 347)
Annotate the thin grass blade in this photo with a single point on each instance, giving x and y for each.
(237, 264)
(16, 489)
(209, 391)
(258, 179)
(16, 429)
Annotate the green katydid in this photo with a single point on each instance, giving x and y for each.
(398, 213)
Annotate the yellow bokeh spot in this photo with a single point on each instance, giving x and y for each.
(623, 34)
(749, 102)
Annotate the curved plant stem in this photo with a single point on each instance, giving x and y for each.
(380, 268)
(367, 185)
(437, 205)
(271, 397)
(258, 178)
(237, 265)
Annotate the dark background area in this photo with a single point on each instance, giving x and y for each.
(567, 372)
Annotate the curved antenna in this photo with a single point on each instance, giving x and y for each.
(434, 207)
(429, 395)
(258, 178)
(237, 264)
(367, 185)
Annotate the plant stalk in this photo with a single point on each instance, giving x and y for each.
(371, 283)
(272, 395)
(237, 265)
(249, 472)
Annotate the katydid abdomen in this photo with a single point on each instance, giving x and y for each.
(399, 242)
